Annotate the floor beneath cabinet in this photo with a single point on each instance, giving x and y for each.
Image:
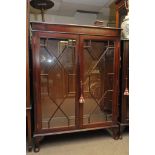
(84, 143)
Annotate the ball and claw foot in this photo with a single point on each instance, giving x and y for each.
(116, 134)
(37, 143)
(116, 137)
(36, 148)
(120, 136)
(29, 148)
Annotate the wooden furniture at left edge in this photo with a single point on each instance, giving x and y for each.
(28, 105)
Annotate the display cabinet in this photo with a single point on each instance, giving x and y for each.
(121, 12)
(76, 79)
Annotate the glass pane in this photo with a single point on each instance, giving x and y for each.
(57, 62)
(98, 80)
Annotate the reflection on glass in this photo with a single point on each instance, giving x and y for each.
(57, 61)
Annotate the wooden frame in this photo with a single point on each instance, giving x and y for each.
(28, 105)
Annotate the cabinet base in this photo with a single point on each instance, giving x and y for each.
(114, 132)
(122, 127)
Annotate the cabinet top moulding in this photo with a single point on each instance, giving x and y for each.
(76, 29)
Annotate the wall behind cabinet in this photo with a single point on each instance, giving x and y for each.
(79, 18)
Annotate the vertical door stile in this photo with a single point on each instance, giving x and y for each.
(118, 73)
(81, 63)
(116, 81)
(39, 126)
(77, 63)
(36, 81)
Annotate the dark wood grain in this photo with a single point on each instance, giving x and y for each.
(125, 74)
(28, 105)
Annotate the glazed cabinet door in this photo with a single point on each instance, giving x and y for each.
(99, 80)
(55, 67)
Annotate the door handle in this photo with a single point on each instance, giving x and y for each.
(126, 92)
(81, 99)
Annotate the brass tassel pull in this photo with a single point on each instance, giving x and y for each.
(81, 99)
(126, 92)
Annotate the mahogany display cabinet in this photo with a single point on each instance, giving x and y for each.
(75, 79)
(121, 12)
